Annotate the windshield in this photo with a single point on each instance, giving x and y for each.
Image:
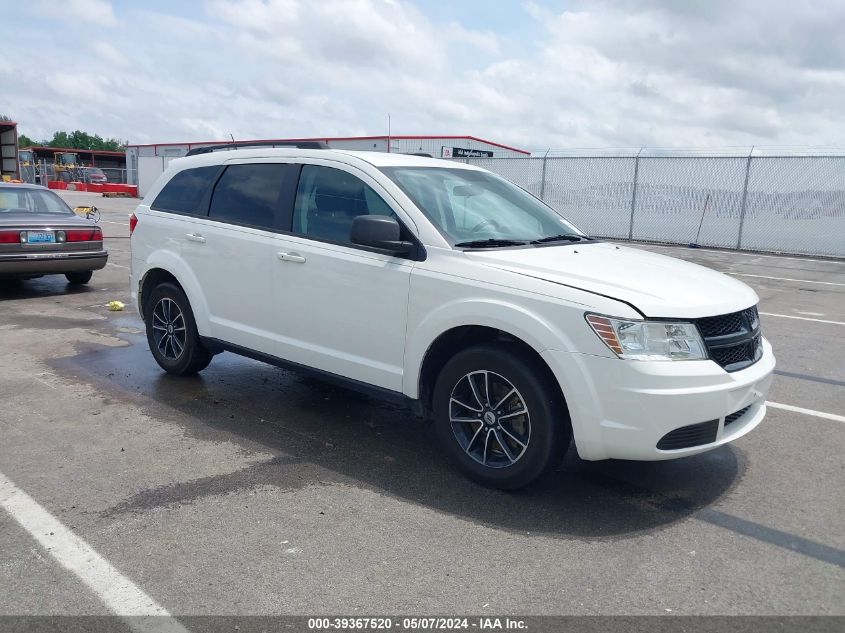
(472, 206)
(17, 200)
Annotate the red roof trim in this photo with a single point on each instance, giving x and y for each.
(75, 150)
(345, 138)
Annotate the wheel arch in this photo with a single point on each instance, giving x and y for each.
(166, 267)
(461, 337)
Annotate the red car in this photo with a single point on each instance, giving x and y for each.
(94, 175)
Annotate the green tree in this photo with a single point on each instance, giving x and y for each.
(83, 140)
(73, 140)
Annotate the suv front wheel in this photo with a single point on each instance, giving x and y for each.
(172, 332)
(498, 417)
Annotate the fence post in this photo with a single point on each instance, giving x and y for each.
(634, 194)
(744, 199)
(543, 179)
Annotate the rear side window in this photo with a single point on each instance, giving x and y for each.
(186, 190)
(249, 194)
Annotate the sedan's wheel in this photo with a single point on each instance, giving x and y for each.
(172, 332)
(82, 277)
(499, 416)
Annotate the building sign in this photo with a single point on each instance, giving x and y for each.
(461, 152)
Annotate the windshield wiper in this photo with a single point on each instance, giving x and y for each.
(560, 238)
(492, 242)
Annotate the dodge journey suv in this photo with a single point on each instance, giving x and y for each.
(452, 290)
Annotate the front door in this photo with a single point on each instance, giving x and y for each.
(341, 308)
(234, 252)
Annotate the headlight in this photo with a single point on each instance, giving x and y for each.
(649, 340)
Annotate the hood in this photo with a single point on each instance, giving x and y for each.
(658, 286)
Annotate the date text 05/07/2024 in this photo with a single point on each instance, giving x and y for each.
(416, 624)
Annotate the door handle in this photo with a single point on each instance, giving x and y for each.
(291, 257)
(195, 237)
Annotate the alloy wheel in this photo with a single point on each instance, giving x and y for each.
(489, 418)
(169, 331)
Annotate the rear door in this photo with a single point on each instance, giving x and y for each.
(233, 251)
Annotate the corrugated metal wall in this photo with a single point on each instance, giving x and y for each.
(433, 146)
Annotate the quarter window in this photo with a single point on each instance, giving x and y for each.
(249, 194)
(186, 190)
(327, 200)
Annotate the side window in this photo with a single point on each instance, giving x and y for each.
(249, 194)
(184, 192)
(327, 200)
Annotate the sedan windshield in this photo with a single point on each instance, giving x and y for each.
(22, 199)
(479, 209)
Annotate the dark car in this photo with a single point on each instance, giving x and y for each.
(41, 235)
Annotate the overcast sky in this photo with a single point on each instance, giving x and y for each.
(536, 74)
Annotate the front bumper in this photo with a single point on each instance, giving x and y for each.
(621, 409)
(33, 265)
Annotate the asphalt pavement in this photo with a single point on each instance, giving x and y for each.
(252, 490)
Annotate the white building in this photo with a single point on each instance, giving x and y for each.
(146, 162)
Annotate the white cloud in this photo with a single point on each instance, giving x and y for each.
(108, 53)
(91, 11)
(597, 74)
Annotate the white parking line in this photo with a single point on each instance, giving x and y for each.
(818, 414)
(789, 316)
(117, 592)
(111, 222)
(117, 266)
(717, 251)
(803, 281)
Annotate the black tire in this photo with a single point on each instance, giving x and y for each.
(177, 351)
(546, 419)
(79, 278)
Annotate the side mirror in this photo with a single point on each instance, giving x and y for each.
(379, 231)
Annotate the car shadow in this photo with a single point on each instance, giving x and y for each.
(47, 286)
(320, 434)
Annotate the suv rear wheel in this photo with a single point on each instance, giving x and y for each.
(172, 332)
(498, 418)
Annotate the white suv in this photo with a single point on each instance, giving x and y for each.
(446, 287)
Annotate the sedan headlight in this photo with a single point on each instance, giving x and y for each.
(649, 340)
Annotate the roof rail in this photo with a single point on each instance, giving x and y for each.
(423, 154)
(242, 144)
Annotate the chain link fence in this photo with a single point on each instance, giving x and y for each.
(783, 204)
(41, 172)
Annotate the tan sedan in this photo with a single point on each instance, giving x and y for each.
(41, 235)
